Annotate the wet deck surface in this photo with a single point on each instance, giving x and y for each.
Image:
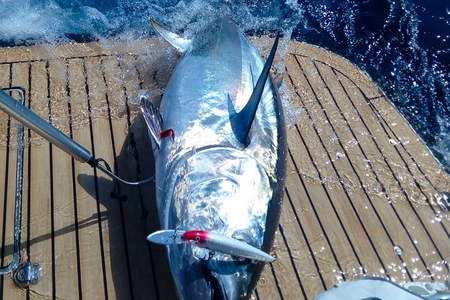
(358, 199)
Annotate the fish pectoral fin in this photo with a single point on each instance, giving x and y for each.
(153, 120)
(180, 43)
(242, 121)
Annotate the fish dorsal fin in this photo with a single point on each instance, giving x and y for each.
(180, 43)
(241, 122)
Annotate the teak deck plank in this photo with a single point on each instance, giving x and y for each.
(313, 221)
(101, 143)
(117, 225)
(5, 81)
(328, 165)
(41, 184)
(65, 218)
(19, 77)
(387, 165)
(308, 220)
(360, 182)
(135, 209)
(368, 218)
(358, 152)
(93, 277)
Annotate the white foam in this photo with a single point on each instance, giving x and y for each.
(25, 21)
(28, 21)
(442, 144)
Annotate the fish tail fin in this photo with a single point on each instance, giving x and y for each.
(180, 43)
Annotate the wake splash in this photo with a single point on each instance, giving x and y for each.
(27, 22)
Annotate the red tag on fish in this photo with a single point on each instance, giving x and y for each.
(167, 133)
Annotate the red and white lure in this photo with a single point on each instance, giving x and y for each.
(212, 241)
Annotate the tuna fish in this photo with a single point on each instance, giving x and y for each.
(219, 147)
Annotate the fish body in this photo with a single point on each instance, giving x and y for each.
(208, 178)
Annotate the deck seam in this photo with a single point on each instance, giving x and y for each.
(369, 100)
(315, 211)
(336, 172)
(311, 252)
(383, 121)
(291, 259)
(52, 198)
(116, 184)
(368, 130)
(383, 124)
(67, 58)
(371, 165)
(332, 162)
(403, 146)
(74, 189)
(97, 195)
(28, 217)
(138, 175)
(325, 189)
(369, 199)
(375, 173)
(393, 174)
(5, 193)
(277, 283)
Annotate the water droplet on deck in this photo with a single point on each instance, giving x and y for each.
(443, 200)
(392, 142)
(398, 250)
(142, 95)
(339, 155)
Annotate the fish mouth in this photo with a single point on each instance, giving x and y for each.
(217, 280)
(234, 279)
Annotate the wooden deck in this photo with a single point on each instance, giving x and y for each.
(358, 199)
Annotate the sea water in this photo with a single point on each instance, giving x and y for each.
(403, 44)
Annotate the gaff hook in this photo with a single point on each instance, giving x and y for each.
(56, 137)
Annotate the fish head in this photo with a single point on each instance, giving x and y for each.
(225, 191)
(200, 275)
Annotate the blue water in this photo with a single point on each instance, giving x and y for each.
(403, 44)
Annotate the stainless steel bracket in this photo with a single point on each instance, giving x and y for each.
(26, 274)
(14, 264)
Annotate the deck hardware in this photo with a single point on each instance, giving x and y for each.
(12, 266)
(27, 274)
